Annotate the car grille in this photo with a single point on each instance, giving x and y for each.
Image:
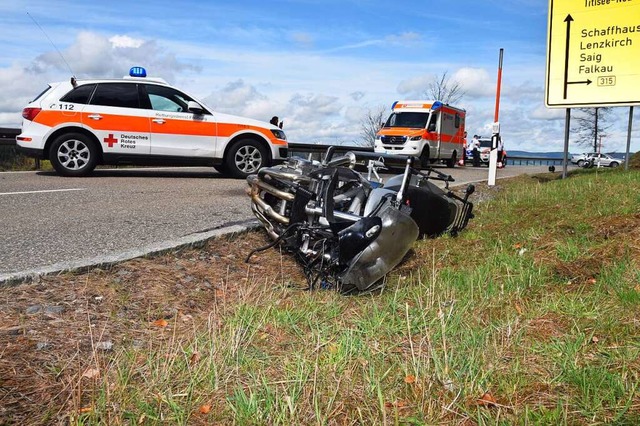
(393, 140)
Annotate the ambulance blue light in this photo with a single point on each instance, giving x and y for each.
(137, 72)
(394, 105)
(436, 106)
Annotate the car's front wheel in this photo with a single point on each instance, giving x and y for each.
(221, 168)
(245, 157)
(451, 162)
(73, 154)
(580, 163)
(424, 158)
(614, 164)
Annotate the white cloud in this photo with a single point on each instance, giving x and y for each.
(126, 41)
(475, 82)
(303, 39)
(315, 105)
(356, 96)
(544, 113)
(19, 86)
(415, 86)
(91, 55)
(94, 55)
(234, 97)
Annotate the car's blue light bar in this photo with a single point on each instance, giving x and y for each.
(436, 106)
(137, 72)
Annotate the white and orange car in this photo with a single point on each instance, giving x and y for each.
(143, 121)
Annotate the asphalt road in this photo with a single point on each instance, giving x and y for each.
(48, 220)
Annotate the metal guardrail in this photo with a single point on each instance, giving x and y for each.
(8, 136)
(317, 151)
(534, 161)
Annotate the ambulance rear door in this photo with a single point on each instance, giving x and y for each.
(450, 132)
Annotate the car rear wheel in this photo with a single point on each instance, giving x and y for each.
(580, 163)
(245, 157)
(73, 154)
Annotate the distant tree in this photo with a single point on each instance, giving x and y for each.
(442, 88)
(370, 124)
(591, 124)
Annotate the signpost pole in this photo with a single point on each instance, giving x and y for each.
(626, 155)
(565, 160)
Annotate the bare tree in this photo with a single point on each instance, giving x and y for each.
(370, 124)
(591, 124)
(443, 89)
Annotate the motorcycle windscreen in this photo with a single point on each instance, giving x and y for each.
(432, 210)
(433, 213)
(398, 233)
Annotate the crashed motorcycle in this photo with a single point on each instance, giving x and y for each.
(347, 231)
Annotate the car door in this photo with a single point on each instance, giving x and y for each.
(176, 131)
(116, 116)
(433, 134)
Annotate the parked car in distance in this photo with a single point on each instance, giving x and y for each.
(579, 159)
(599, 159)
(485, 150)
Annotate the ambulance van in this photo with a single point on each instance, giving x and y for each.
(429, 130)
(79, 124)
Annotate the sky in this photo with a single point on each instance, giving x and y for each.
(321, 66)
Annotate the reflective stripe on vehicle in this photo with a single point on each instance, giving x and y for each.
(130, 123)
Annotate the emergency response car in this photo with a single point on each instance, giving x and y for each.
(143, 121)
(484, 151)
(429, 130)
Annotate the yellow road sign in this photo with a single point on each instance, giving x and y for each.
(593, 53)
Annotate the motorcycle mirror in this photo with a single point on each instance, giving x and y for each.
(470, 189)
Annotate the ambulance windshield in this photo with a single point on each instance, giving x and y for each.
(417, 120)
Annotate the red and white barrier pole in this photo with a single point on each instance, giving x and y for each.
(493, 155)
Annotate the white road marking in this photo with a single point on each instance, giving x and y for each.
(42, 192)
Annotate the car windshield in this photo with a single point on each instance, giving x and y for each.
(416, 120)
(485, 143)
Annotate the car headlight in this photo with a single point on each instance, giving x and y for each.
(415, 138)
(279, 134)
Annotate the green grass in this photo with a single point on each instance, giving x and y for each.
(536, 303)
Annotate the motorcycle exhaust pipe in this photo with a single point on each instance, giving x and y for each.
(256, 181)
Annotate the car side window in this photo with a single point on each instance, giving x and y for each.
(164, 98)
(124, 95)
(79, 95)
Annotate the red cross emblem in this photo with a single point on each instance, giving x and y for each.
(110, 140)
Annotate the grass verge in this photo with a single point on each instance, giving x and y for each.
(528, 317)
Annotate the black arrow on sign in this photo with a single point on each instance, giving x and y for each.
(587, 82)
(569, 20)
